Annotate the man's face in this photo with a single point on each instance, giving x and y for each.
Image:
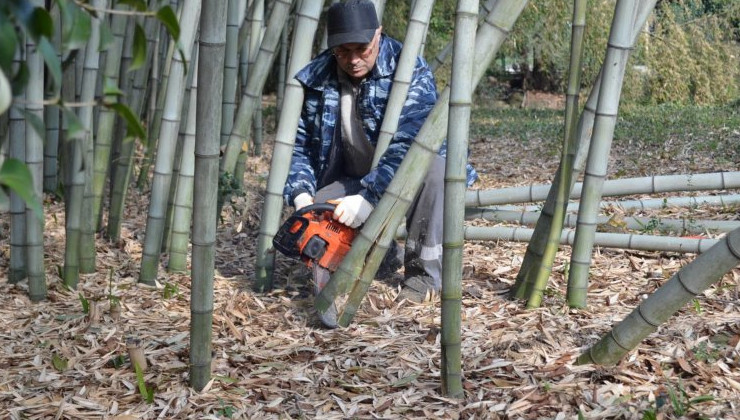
(357, 60)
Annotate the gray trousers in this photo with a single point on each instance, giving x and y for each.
(423, 250)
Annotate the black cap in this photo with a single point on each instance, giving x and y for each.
(354, 21)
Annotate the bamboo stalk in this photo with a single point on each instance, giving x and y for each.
(212, 46)
(307, 21)
(252, 97)
(540, 276)
(166, 145)
(123, 166)
(576, 155)
(607, 240)
(615, 62)
(404, 72)
(654, 311)
(231, 63)
(681, 226)
(90, 69)
(722, 200)
(107, 117)
(183, 205)
(461, 98)
(17, 150)
(35, 162)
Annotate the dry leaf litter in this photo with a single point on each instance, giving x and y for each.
(272, 359)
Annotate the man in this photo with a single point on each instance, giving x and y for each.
(346, 93)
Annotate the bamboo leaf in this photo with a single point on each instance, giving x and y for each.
(15, 175)
(8, 46)
(59, 363)
(76, 26)
(138, 5)
(133, 125)
(169, 20)
(146, 392)
(5, 96)
(52, 62)
(40, 24)
(405, 380)
(139, 47)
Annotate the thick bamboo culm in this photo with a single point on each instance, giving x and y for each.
(612, 188)
(461, 98)
(303, 36)
(722, 200)
(652, 312)
(607, 240)
(680, 226)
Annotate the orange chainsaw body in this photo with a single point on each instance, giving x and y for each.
(312, 235)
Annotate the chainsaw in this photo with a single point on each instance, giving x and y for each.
(314, 237)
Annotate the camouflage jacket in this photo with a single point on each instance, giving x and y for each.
(315, 163)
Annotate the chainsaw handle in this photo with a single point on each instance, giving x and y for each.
(317, 208)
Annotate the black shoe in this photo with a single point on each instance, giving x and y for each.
(392, 262)
(417, 289)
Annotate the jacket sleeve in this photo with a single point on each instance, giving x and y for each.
(420, 100)
(301, 177)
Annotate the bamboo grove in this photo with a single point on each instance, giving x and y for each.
(83, 84)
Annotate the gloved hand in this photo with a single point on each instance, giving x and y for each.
(352, 210)
(302, 200)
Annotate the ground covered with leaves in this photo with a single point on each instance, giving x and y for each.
(272, 359)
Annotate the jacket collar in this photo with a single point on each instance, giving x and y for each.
(321, 71)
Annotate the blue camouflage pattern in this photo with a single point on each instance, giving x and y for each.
(313, 145)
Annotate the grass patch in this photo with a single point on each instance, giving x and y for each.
(521, 124)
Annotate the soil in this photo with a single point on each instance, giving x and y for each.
(272, 358)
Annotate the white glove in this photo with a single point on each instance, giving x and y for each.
(302, 200)
(352, 210)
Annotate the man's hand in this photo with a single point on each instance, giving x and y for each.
(302, 200)
(352, 210)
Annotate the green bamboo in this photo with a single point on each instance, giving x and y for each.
(536, 279)
(73, 170)
(615, 63)
(230, 70)
(166, 144)
(123, 165)
(252, 96)
(208, 118)
(404, 72)
(606, 240)
(183, 205)
(17, 150)
(721, 200)
(257, 33)
(380, 228)
(86, 115)
(577, 155)
(690, 281)
(51, 121)
(681, 226)
(461, 98)
(35, 164)
(107, 117)
(614, 187)
(307, 21)
(282, 70)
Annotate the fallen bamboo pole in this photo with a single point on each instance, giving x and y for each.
(617, 187)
